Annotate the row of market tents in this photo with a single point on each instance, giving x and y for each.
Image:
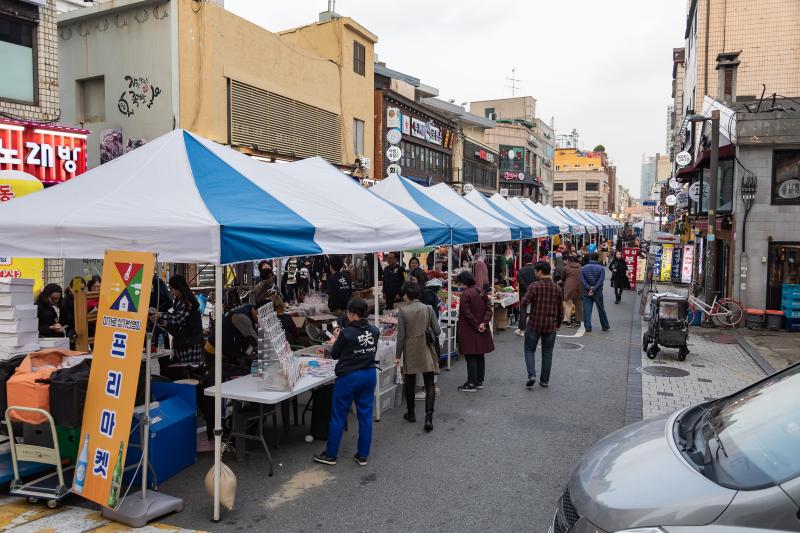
(191, 200)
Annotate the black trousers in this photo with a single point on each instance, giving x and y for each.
(618, 293)
(410, 385)
(476, 368)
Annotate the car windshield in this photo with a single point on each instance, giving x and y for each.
(752, 439)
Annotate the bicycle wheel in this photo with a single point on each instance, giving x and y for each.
(729, 313)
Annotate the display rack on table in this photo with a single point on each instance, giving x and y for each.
(277, 368)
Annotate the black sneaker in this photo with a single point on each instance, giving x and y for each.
(325, 459)
(531, 382)
(479, 385)
(361, 460)
(468, 387)
(544, 384)
(606, 329)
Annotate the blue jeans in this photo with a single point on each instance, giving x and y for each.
(358, 386)
(588, 303)
(548, 341)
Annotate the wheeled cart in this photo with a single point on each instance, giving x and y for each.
(51, 487)
(668, 325)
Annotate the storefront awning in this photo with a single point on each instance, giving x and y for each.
(725, 152)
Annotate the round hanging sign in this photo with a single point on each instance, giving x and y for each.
(671, 200)
(394, 154)
(393, 136)
(683, 159)
(393, 170)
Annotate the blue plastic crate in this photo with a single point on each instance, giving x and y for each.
(790, 300)
(791, 291)
(793, 324)
(791, 314)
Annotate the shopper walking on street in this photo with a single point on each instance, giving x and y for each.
(547, 313)
(355, 349)
(619, 276)
(573, 292)
(593, 276)
(417, 327)
(474, 337)
(525, 278)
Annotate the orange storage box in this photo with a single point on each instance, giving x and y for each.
(30, 386)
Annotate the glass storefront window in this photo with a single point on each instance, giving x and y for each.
(783, 268)
(786, 177)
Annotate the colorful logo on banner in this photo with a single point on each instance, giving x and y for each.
(687, 264)
(631, 260)
(119, 340)
(666, 263)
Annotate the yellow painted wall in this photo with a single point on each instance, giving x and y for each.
(215, 44)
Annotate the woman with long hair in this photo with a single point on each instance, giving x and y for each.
(415, 273)
(473, 337)
(183, 322)
(50, 309)
(619, 276)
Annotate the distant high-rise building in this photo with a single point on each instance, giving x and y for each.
(648, 177)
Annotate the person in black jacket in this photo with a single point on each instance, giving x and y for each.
(355, 349)
(525, 277)
(339, 291)
(393, 279)
(183, 322)
(52, 315)
(161, 301)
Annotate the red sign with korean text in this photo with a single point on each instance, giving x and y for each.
(631, 256)
(50, 153)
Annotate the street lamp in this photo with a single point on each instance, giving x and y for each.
(711, 247)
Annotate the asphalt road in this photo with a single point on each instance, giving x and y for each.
(497, 459)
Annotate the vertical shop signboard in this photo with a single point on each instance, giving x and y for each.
(631, 256)
(657, 261)
(687, 264)
(676, 264)
(666, 263)
(117, 357)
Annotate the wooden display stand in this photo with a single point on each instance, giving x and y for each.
(83, 318)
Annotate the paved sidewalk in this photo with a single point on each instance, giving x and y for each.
(712, 370)
(779, 349)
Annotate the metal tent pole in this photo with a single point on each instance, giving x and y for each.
(449, 304)
(376, 300)
(218, 316)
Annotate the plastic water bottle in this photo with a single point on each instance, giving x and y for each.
(161, 342)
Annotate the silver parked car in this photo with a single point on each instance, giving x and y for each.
(729, 465)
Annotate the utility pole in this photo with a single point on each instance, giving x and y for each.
(711, 244)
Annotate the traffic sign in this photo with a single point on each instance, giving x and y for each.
(671, 218)
(662, 209)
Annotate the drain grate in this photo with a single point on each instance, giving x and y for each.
(663, 371)
(569, 346)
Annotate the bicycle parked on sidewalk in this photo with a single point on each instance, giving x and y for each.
(725, 312)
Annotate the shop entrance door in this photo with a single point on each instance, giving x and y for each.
(783, 267)
(721, 281)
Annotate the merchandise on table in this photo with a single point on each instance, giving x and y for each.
(276, 367)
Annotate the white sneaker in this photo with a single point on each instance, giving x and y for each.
(420, 395)
(519, 333)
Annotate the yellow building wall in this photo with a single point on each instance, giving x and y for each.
(215, 45)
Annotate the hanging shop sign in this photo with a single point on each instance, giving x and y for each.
(665, 273)
(434, 135)
(13, 184)
(393, 170)
(671, 200)
(631, 255)
(393, 154)
(468, 188)
(683, 159)
(674, 184)
(394, 136)
(117, 356)
(51, 154)
(682, 200)
(392, 117)
(514, 176)
(406, 125)
(686, 264)
(419, 128)
(694, 191)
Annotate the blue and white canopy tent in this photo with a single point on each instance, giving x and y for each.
(529, 227)
(189, 199)
(589, 228)
(575, 228)
(516, 205)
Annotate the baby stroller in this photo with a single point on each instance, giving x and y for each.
(668, 325)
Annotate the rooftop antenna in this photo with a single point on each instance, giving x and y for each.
(514, 81)
(331, 5)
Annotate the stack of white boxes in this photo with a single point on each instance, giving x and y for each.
(19, 326)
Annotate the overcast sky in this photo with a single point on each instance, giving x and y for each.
(604, 68)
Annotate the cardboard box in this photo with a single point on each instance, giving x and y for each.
(20, 285)
(19, 325)
(8, 312)
(19, 339)
(16, 298)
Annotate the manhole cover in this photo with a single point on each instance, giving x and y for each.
(569, 346)
(664, 371)
(722, 338)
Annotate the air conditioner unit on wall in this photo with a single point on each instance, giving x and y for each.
(493, 116)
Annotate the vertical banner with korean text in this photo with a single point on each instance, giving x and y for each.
(117, 356)
(666, 263)
(631, 256)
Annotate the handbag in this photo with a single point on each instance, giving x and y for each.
(430, 336)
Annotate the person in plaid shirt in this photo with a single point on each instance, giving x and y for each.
(544, 319)
(183, 322)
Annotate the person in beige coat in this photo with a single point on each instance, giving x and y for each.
(414, 354)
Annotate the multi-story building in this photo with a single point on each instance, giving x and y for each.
(648, 176)
(29, 41)
(428, 139)
(582, 180)
(611, 206)
(677, 120)
(623, 200)
(668, 129)
(515, 138)
(545, 152)
(134, 70)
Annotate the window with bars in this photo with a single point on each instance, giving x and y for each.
(571, 186)
(591, 205)
(571, 204)
(359, 58)
(593, 186)
(558, 186)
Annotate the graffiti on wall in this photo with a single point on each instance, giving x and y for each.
(141, 92)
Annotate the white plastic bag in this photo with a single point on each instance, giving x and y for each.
(227, 486)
